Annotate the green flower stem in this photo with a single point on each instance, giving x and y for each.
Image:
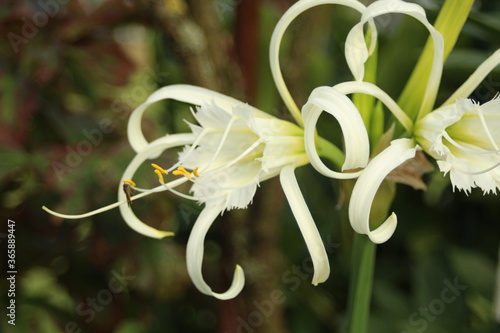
(360, 287)
(449, 23)
(330, 151)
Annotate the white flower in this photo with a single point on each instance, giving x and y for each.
(230, 151)
(461, 135)
(464, 137)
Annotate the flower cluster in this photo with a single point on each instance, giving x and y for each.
(233, 147)
(461, 135)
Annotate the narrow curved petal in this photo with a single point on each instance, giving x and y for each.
(356, 52)
(367, 185)
(153, 148)
(357, 145)
(180, 92)
(306, 225)
(294, 11)
(475, 79)
(194, 255)
(355, 41)
(373, 90)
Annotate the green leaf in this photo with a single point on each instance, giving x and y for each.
(449, 23)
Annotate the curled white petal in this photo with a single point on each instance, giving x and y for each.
(382, 7)
(356, 52)
(154, 148)
(194, 255)
(367, 185)
(180, 92)
(294, 11)
(475, 79)
(306, 225)
(373, 90)
(357, 146)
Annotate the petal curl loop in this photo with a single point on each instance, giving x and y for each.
(373, 90)
(367, 185)
(194, 255)
(298, 8)
(357, 146)
(154, 148)
(355, 41)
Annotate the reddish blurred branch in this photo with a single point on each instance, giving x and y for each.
(247, 44)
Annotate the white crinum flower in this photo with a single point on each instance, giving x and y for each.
(333, 101)
(464, 137)
(231, 150)
(471, 159)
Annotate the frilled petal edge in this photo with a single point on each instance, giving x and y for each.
(180, 92)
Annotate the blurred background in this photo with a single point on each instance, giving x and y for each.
(71, 71)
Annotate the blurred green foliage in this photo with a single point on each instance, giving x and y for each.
(66, 89)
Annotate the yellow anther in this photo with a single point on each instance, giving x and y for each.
(160, 176)
(159, 168)
(195, 172)
(130, 182)
(181, 172)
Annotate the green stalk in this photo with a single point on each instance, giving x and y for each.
(360, 284)
(330, 151)
(449, 23)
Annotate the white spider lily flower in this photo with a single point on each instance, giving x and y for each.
(369, 182)
(464, 138)
(230, 151)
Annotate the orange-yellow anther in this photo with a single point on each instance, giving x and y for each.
(160, 176)
(159, 168)
(181, 172)
(195, 172)
(130, 182)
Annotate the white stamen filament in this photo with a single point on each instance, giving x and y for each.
(459, 146)
(483, 122)
(222, 141)
(477, 172)
(144, 193)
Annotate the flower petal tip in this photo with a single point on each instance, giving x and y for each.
(321, 274)
(385, 230)
(166, 234)
(236, 286)
(154, 233)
